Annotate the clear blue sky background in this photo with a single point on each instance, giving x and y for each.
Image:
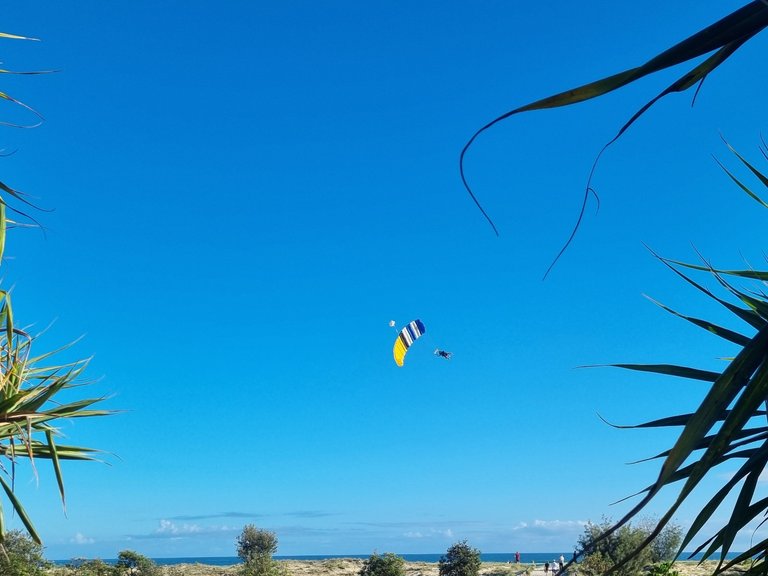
(246, 193)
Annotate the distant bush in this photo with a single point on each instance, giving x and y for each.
(663, 569)
(96, 567)
(460, 560)
(604, 553)
(254, 542)
(664, 547)
(255, 546)
(21, 556)
(134, 564)
(387, 564)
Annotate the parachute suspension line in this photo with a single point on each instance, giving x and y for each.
(437, 350)
(407, 336)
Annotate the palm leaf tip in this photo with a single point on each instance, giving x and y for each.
(724, 37)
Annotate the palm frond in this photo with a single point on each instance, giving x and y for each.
(721, 39)
(722, 428)
(31, 389)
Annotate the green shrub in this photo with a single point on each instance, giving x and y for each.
(255, 546)
(21, 556)
(134, 564)
(81, 567)
(602, 553)
(595, 563)
(254, 542)
(460, 560)
(664, 547)
(663, 569)
(263, 567)
(387, 564)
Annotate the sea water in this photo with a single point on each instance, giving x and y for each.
(525, 558)
(538, 557)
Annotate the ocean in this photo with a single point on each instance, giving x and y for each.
(537, 557)
(525, 557)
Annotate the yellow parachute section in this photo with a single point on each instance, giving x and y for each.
(407, 336)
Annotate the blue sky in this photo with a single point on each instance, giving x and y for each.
(244, 195)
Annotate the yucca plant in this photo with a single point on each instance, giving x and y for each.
(730, 423)
(31, 387)
(720, 41)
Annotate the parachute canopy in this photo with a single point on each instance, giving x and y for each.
(407, 336)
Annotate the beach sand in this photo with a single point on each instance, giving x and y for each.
(351, 567)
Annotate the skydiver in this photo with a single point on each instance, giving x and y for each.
(443, 354)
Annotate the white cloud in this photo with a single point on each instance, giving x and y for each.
(171, 530)
(543, 535)
(168, 527)
(558, 525)
(550, 525)
(80, 539)
(429, 533)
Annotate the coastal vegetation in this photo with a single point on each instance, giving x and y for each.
(387, 564)
(723, 428)
(255, 547)
(129, 563)
(133, 563)
(35, 390)
(601, 554)
(460, 560)
(95, 567)
(21, 556)
(25, 558)
(352, 567)
(729, 423)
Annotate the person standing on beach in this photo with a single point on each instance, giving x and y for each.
(517, 557)
(546, 568)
